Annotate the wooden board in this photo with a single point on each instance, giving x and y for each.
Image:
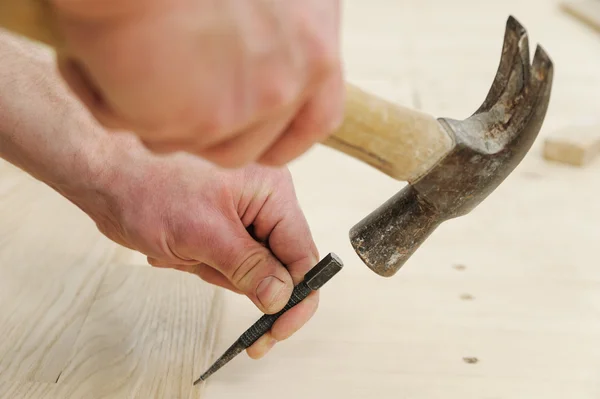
(52, 259)
(99, 329)
(149, 334)
(28, 390)
(587, 11)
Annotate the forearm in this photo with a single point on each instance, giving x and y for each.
(44, 130)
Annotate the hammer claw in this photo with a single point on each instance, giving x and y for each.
(530, 111)
(515, 53)
(529, 106)
(542, 67)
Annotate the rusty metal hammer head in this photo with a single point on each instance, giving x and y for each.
(487, 147)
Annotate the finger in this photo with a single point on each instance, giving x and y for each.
(282, 224)
(294, 319)
(201, 270)
(170, 263)
(166, 147)
(212, 276)
(250, 144)
(260, 348)
(319, 117)
(250, 267)
(281, 221)
(290, 322)
(76, 77)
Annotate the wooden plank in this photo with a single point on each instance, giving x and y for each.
(52, 259)
(27, 390)
(573, 145)
(381, 385)
(587, 11)
(148, 334)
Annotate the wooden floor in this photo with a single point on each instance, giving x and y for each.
(79, 320)
(503, 303)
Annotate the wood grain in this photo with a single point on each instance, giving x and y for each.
(28, 390)
(148, 334)
(401, 142)
(52, 259)
(101, 330)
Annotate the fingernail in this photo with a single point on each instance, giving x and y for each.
(268, 290)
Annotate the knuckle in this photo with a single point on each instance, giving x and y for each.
(278, 92)
(333, 119)
(324, 60)
(211, 122)
(229, 158)
(324, 119)
(185, 235)
(210, 126)
(322, 55)
(245, 271)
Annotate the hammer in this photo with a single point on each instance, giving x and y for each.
(451, 165)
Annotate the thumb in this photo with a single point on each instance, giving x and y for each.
(253, 270)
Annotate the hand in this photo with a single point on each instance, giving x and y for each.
(232, 81)
(185, 214)
(180, 211)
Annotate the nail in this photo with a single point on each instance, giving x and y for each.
(268, 291)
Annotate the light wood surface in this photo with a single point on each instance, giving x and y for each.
(147, 335)
(76, 322)
(15, 389)
(573, 145)
(46, 285)
(503, 303)
(587, 11)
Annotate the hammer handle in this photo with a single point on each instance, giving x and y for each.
(402, 143)
(33, 19)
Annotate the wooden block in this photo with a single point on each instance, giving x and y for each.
(587, 11)
(577, 146)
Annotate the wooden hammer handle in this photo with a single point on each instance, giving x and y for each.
(398, 141)
(33, 19)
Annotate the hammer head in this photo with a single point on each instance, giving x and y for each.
(488, 146)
